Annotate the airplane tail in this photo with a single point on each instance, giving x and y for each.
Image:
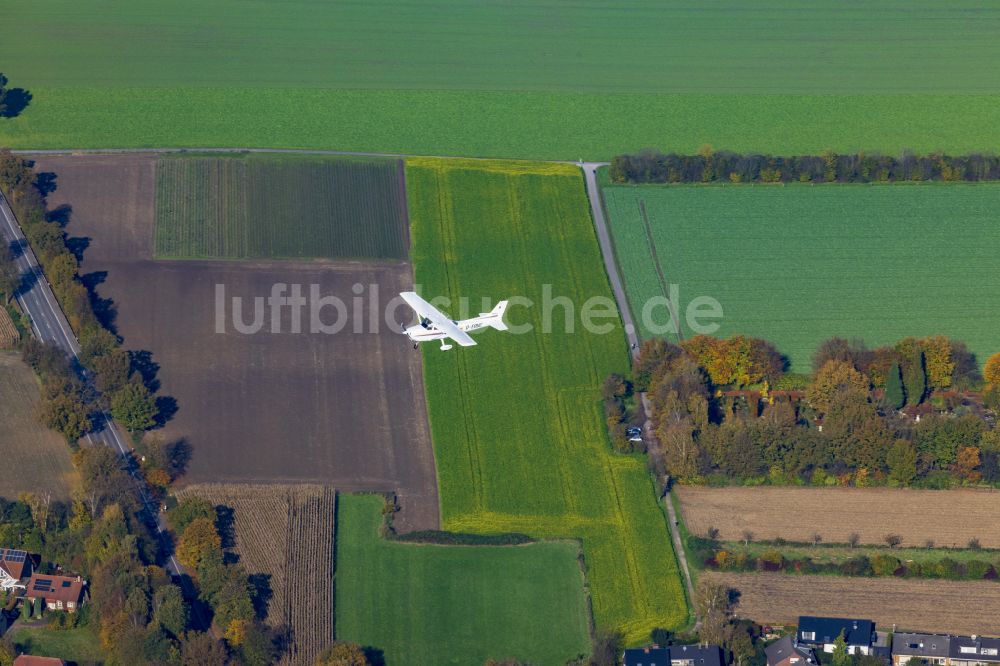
(494, 318)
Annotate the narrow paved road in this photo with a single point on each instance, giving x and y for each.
(611, 266)
(49, 324)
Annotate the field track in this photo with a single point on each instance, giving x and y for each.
(284, 534)
(948, 517)
(934, 606)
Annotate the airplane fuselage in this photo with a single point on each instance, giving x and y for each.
(426, 331)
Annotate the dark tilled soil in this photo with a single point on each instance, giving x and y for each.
(345, 409)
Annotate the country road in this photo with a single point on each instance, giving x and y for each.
(611, 266)
(49, 325)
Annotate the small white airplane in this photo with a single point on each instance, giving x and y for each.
(435, 325)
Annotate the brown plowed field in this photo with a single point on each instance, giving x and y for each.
(284, 534)
(948, 517)
(36, 459)
(936, 606)
(345, 410)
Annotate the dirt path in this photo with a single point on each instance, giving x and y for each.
(608, 252)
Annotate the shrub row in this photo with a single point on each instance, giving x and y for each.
(882, 564)
(463, 538)
(651, 166)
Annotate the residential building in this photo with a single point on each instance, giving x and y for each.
(929, 648)
(785, 652)
(821, 632)
(15, 565)
(57, 592)
(649, 656)
(675, 655)
(973, 651)
(695, 655)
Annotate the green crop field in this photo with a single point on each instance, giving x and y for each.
(518, 431)
(425, 604)
(280, 207)
(799, 264)
(548, 79)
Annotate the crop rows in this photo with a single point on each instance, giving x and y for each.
(519, 438)
(939, 606)
(285, 533)
(283, 208)
(800, 264)
(9, 334)
(949, 519)
(442, 78)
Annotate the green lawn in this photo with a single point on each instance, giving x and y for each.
(550, 79)
(280, 207)
(519, 434)
(76, 645)
(799, 264)
(424, 604)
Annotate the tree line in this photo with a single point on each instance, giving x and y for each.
(136, 611)
(121, 387)
(715, 556)
(853, 421)
(708, 166)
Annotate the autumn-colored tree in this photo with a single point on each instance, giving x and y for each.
(201, 649)
(236, 631)
(882, 359)
(841, 349)
(342, 653)
(198, 540)
(157, 478)
(991, 372)
(967, 463)
(710, 354)
(836, 380)
(739, 360)
(938, 361)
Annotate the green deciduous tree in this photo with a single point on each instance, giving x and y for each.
(10, 276)
(134, 406)
(840, 654)
(902, 462)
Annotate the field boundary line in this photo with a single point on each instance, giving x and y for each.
(664, 287)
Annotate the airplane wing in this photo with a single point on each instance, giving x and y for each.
(438, 318)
